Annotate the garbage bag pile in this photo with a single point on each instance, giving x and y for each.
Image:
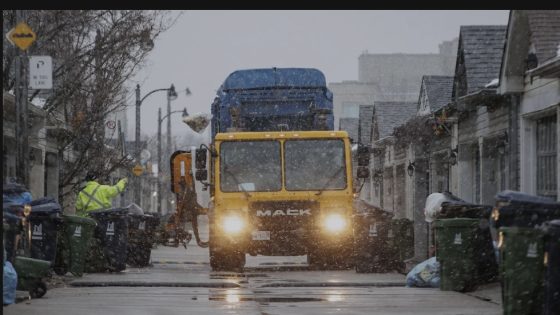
(198, 122)
(424, 275)
(10, 282)
(434, 202)
(135, 209)
(16, 194)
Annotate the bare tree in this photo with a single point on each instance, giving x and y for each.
(95, 53)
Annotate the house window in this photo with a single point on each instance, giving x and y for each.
(547, 183)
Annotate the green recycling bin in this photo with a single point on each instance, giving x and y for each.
(403, 231)
(456, 249)
(522, 269)
(74, 244)
(30, 273)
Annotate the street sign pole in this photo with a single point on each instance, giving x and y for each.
(22, 37)
(25, 130)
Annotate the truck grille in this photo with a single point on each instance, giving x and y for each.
(283, 215)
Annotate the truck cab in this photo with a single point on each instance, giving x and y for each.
(281, 193)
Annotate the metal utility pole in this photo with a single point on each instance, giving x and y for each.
(171, 95)
(160, 170)
(159, 162)
(22, 112)
(168, 127)
(138, 179)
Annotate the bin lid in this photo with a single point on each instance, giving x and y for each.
(10, 218)
(30, 267)
(367, 209)
(46, 208)
(464, 210)
(109, 212)
(457, 222)
(14, 188)
(78, 220)
(519, 197)
(12, 206)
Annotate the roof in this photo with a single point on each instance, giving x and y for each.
(389, 115)
(350, 125)
(438, 90)
(231, 136)
(274, 77)
(366, 122)
(483, 47)
(545, 32)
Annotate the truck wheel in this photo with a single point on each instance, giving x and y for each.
(226, 260)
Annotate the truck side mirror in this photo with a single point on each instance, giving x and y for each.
(200, 159)
(363, 156)
(363, 172)
(201, 175)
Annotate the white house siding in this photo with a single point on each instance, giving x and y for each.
(541, 98)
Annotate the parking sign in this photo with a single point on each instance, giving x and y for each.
(40, 72)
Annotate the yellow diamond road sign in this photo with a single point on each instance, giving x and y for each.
(138, 170)
(21, 36)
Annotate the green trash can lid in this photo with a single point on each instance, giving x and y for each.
(78, 220)
(520, 230)
(31, 267)
(458, 222)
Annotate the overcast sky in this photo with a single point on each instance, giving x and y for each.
(203, 47)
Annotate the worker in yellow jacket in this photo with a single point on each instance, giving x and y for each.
(95, 196)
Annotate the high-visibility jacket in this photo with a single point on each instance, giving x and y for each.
(95, 196)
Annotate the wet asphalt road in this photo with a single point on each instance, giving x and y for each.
(181, 282)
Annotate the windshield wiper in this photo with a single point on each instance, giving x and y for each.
(227, 171)
(333, 176)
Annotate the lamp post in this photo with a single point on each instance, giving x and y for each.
(169, 146)
(170, 93)
(160, 120)
(187, 92)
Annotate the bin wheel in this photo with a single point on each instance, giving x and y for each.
(60, 270)
(38, 291)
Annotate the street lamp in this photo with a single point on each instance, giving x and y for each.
(410, 168)
(160, 120)
(170, 94)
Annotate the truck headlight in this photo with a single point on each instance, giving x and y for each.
(334, 222)
(233, 224)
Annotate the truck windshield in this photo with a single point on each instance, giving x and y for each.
(250, 166)
(315, 164)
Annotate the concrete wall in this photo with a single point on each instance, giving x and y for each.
(350, 93)
(398, 76)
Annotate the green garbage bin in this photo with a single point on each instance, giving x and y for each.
(456, 250)
(30, 274)
(74, 244)
(522, 270)
(372, 244)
